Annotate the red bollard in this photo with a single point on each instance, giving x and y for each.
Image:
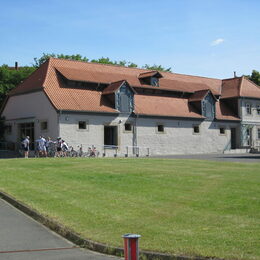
(131, 246)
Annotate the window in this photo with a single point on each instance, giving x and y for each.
(160, 128)
(110, 135)
(258, 133)
(248, 109)
(196, 129)
(258, 109)
(82, 125)
(128, 127)
(44, 125)
(222, 130)
(8, 129)
(154, 81)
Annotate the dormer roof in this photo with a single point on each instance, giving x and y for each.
(114, 86)
(200, 95)
(239, 87)
(149, 74)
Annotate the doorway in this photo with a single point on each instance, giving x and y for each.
(27, 129)
(233, 138)
(110, 135)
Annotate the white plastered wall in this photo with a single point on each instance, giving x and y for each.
(32, 107)
(177, 138)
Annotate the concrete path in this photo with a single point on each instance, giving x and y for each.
(22, 238)
(243, 158)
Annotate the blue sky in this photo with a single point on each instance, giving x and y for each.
(210, 38)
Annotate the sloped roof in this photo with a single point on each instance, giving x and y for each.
(150, 74)
(198, 95)
(47, 78)
(239, 87)
(164, 106)
(224, 113)
(34, 82)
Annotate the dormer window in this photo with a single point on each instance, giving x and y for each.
(121, 94)
(150, 78)
(154, 82)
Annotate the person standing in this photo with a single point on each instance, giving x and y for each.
(42, 146)
(25, 146)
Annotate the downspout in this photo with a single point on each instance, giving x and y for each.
(58, 119)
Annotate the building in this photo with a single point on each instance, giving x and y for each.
(128, 111)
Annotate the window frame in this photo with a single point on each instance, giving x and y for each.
(131, 127)
(258, 109)
(225, 130)
(158, 131)
(258, 133)
(248, 108)
(42, 122)
(193, 130)
(86, 125)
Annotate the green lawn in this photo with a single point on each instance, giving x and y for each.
(178, 206)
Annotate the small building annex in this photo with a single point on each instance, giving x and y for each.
(133, 111)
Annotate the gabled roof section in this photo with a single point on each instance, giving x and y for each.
(200, 95)
(34, 82)
(239, 87)
(249, 89)
(114, 86)
(148, 74)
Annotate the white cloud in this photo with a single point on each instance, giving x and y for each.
(217, 42)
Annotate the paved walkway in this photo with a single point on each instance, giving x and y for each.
(22, 238)
(243, 158)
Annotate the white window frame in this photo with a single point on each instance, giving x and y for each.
(157, 128)
(128, 131)
(82, 129)
(193, 128)
(225, 130)
(258, 133)
(41, 124)
(248, 108)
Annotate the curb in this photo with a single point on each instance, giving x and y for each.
(89, 244)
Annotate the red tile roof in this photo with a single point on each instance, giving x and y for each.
(164, 106)
(198, 95)
(224, 113)
(47, 78)
(239, 87)
(150, 74)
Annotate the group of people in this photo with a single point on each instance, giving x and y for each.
(43, 147)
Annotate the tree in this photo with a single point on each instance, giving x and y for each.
(10, 78)
(45, 56)
(156, 67)
(255, 77)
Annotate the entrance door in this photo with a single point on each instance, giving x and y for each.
(233, 138)
(27, 129)
(110, 135)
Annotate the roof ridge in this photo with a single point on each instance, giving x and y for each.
(195, 76)
(240, 86)
(233, 78)
(246, 78)
(47, 71)
(102, 64)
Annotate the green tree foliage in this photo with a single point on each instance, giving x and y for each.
(255, 77)
(156, 67)
(45, 56)
(10, 78)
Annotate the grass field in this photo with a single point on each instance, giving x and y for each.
(178, 206)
